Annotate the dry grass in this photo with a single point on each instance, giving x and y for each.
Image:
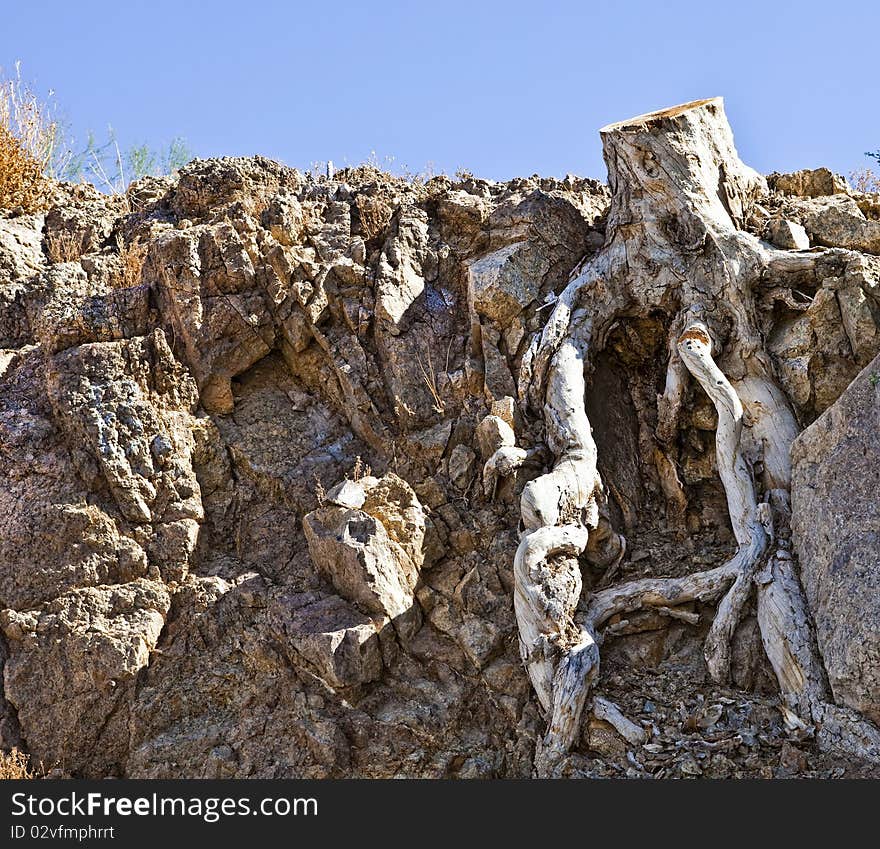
(64, 246)
(374, 213)
(320, 494)
(21, 177)
(28, 140)
(132, 255)
(429, 376)
(865, 180)
(15, 764)
(360, 470)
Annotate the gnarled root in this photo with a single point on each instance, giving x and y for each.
(547, 586)
(752, 522)
(659, 592)
(747, 560)
(574, 677)
(790, 646)
(668, 412)
(782, 615)
(695, 350)
(562, 518)
(787, 636)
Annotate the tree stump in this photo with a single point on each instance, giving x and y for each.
(675, 248)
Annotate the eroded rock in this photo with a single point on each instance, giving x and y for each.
(327, 637)
(837, 221)
(167, 429)
(809, 182)
(787, 234)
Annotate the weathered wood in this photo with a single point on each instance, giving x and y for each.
(664, 454)
(545, 597)
(787, 636)
(772, 429)
(695, 349)
(659, 592)
(752, 523)
(750, 556)
(609, 712)
(574, 675)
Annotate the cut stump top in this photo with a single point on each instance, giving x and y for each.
(670, 112)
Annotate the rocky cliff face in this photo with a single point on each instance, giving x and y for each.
(245, 528)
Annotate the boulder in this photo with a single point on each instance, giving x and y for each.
(362, 557)
(327, 637)
(819, 347)
(493, 433)
(837, 221)
(347, 493)
(836, 531)
(788, 235)
(57, 529)
(393, 502)
(461, 466)
(401, 278)
(21, 249)
(503, 283)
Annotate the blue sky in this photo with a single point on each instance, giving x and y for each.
(500, 88)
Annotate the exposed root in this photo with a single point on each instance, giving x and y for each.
(695, 349)
(567, 323)
(669, 403)
(673, 491)
(498, 444)
(547, 587)
(678, 613)
(787, 636)
(668, 413)
(752, 523)
(748, 558)
(561, 658)
(659, 592)
(574, 677)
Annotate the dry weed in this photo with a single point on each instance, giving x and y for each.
(28, 139)
(15, 765)
(132, 255)
(374, 214)
(64, 246)
(865, 180)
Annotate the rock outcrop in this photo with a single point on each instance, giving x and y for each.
(200, 575)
